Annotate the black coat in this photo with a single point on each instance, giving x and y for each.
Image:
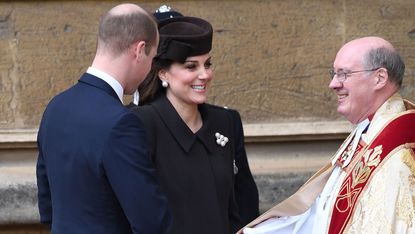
(246, 192)
(195, 172)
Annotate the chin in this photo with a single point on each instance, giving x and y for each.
(341, 111)
(199, 101)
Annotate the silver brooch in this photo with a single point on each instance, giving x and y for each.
(221, 139)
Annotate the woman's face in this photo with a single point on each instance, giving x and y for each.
(188, 82)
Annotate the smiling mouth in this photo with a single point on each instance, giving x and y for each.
(199, 87)
(341, 96)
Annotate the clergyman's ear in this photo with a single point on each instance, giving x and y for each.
(381, 78)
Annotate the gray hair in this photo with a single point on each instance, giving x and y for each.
(118, 32)
(389, 59)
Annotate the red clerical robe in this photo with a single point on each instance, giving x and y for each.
(374, 192)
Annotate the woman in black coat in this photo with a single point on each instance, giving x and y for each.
(193, 144)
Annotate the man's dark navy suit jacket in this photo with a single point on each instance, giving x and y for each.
(93, 171)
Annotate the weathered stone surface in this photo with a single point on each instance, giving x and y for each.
(273, 188)
(18, 193)
(18, 204)
(271, 57)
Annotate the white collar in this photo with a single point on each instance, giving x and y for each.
(384, 114)
(355, 136)
(115, 85)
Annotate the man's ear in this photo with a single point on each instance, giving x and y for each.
(382, 78)
(140, 49)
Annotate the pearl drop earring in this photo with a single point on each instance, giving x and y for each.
(164, 84)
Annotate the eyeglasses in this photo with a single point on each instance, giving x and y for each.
(341, 76)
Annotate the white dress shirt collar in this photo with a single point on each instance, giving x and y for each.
(109, 80)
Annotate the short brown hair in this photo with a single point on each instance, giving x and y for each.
(118, 32)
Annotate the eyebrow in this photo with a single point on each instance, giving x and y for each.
(196, 61)
(341, 69)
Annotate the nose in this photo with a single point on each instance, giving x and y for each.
(204, 73)
(334, 84)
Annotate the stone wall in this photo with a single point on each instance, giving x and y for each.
(271, 57)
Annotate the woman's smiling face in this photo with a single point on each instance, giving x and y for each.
(189, 82)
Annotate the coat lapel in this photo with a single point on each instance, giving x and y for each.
(207, 133)
(177, 127)
(181, 132)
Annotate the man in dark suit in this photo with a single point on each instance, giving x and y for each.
(93, 172)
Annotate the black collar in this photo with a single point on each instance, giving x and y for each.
(178, 128)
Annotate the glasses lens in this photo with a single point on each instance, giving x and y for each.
(332, 73)
(340, 75)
